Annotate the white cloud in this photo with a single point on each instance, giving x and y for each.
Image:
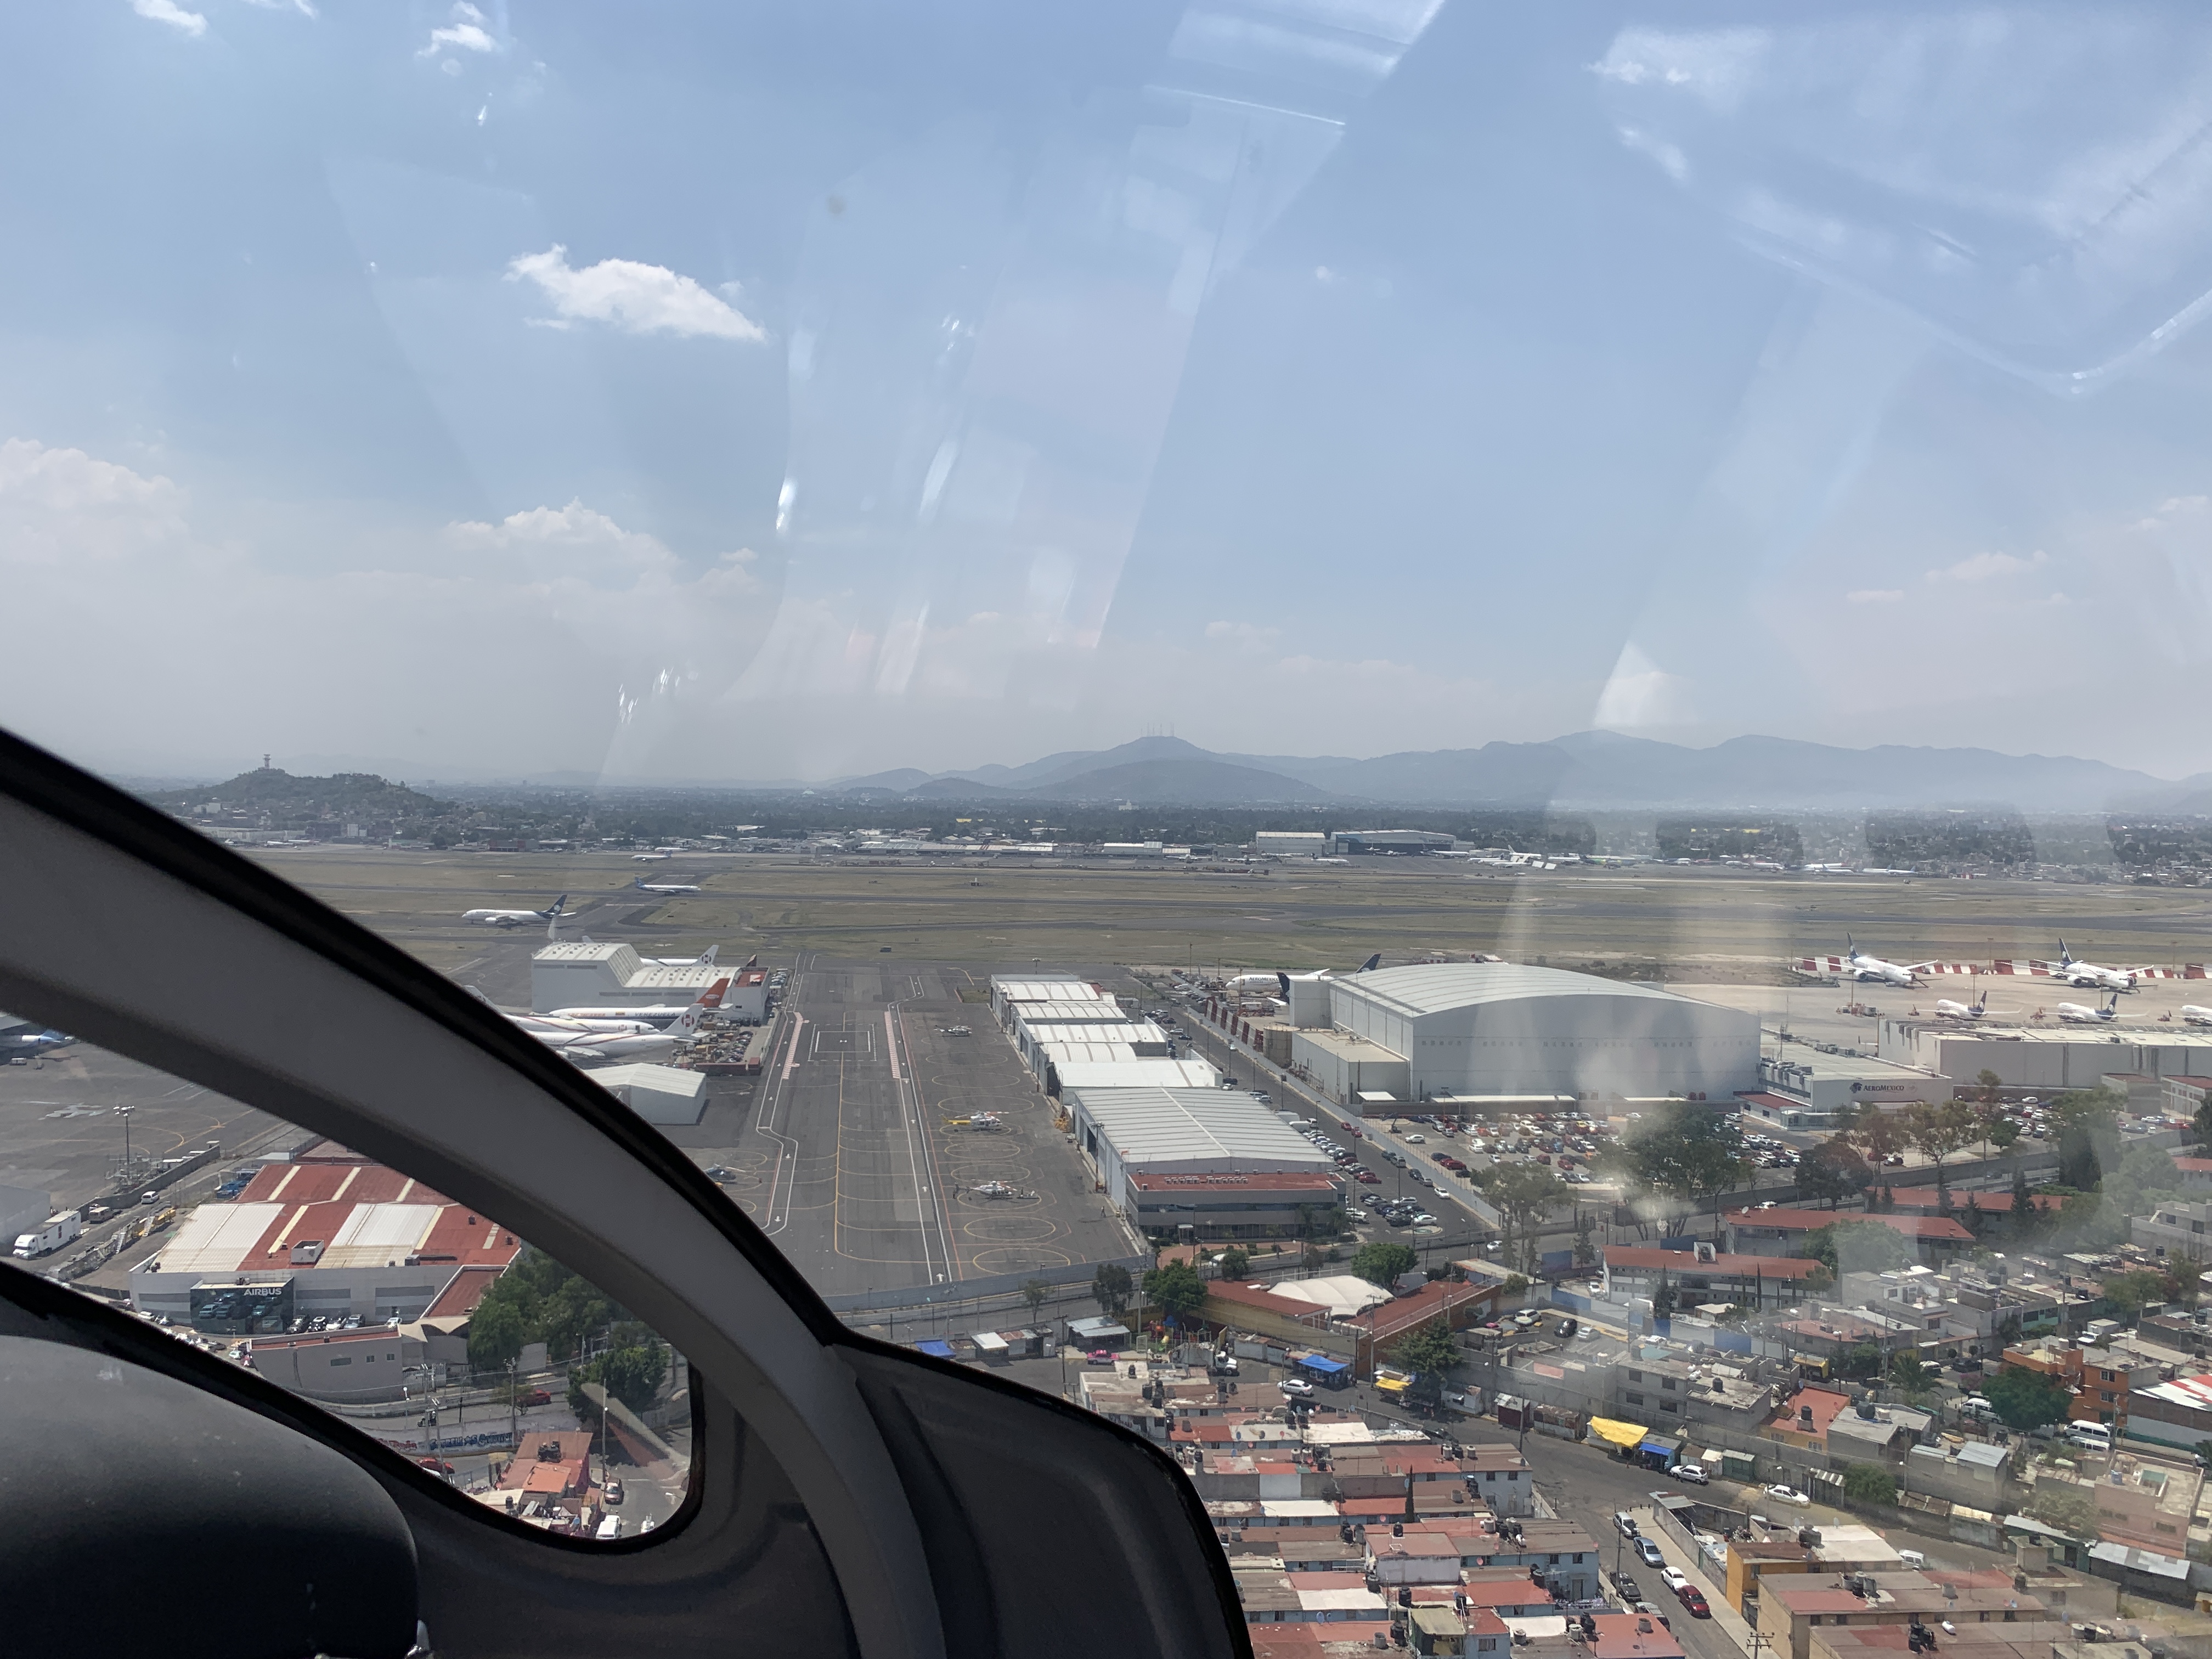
(1874, 595)
(638, 298)
(169, 12)
(466, 31)
(300, 6)
(485, 638)
(1248, 636)
(1983, 567)
(1641, 694)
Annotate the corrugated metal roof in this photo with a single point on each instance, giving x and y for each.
(215, 1238)
(1433, 988)
(1156, 1125)
(376, 1233)
(1131, 1071)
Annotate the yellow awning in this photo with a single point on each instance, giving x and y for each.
(1390, 1384)
(1618, 1433)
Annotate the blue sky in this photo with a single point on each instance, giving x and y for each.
(756, 392)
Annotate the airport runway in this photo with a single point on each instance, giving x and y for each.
(852, 1157)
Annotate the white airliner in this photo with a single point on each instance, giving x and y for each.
(606, 1048)
(1859, 965)
(656, 1015)
(517, 917)
(1947, 1009)
(647, 858)
(645, 886)
(2194, 1015)
(1281, 982)
(2074, 1013)
(535, 1023)
(2088, 974)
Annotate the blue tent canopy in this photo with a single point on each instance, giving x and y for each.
(1314, 1362)
(935, 1348)
(1664, 1448)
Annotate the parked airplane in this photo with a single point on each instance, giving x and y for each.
(536, 1023)
(645, 886)
(27, 1042)
(2195, 1015)
(656, 1015)
(647, 858)
(2088, 974)
(1947, 1009)
(2074, 1013)
(609, 1047)
(1861, 966)
(550, 915)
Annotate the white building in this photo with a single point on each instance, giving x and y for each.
(658, 1094)
(1154, 1131)
(1291, 843)
(581, 976)
(1499, 1028)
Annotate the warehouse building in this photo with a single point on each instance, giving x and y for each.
(328, 1235)
(581, 976)
(1497, 1028)
(1291, 843)
(1128, 1132)
(1261, 1205)
(2054, 1057)
(1396, 841)
(1010, 993)
(666, 1095)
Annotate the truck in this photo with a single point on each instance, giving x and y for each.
(58, 1231)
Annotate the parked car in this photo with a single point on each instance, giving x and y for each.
(1648, 1551)
(1674, 1578)
(614, 1493)
(1693, 1601)
(1627, 1589)
(1297, 1387)
(1693, 1473)
(1624, 1523)
(534, 1397)
(1417, 1140)
(1099, 1356)
(1788, 1495)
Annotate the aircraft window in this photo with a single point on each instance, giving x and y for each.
(419, 1322)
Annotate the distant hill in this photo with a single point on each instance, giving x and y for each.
(1181, 781)
(1586, 770)
(345, 794)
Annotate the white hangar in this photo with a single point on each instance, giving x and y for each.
(1501, 1030)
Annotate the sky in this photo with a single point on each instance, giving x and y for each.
(728, 392)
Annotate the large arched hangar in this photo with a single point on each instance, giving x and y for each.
(1501, 1029)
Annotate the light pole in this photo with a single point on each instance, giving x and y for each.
(124, 1112)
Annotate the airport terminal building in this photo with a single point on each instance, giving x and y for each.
(1504, 1031)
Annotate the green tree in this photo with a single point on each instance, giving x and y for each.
(1430, 1353)
(1585, 1248)
(496, 1334)
(1879, 1134)
(1833, 1171)
(1869, 1483)
(1686, 1152)
(631, 1373)
(1858, 1247)
(1379, 1261)
(2089, 1134)
(2072, 1512)
(1907, 1372)
(2026, 1400)
(2130, 1292)
(1662, 1297)
(1939, 1129)
(1035, 1293)
(1177, 1288)
(2201, 1126)
(1525, 1194)
(2026, 1219)
(1235, 1264)
(1110, 1288)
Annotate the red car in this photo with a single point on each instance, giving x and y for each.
(1099, 1356)
(534, 1397)
(1693, 1601)
(433, 1466)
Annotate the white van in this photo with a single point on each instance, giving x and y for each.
(2091, 1436)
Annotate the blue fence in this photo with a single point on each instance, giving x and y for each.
(1563, 1297)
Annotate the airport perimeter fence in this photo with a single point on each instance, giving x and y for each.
(927, 1298)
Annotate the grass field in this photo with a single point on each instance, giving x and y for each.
(1700, 923)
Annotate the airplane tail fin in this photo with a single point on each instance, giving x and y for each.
(1372, 963)
(689, 1021)
(1283, 979)
(753, 961)
(708, 960)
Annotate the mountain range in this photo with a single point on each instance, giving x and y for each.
(1589, 770)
